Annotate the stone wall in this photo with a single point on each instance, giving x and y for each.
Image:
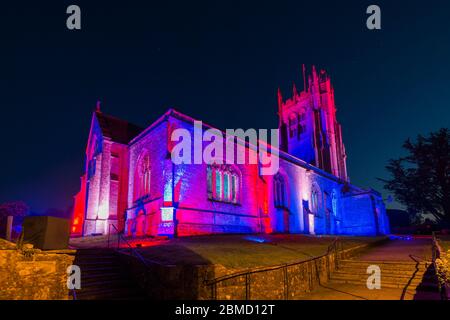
(32, 274)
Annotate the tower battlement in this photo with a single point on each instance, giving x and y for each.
(308, 125)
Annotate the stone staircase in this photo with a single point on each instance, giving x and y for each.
(418, 279)
(103, 277)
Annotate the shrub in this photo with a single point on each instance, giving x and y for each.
(443, 268)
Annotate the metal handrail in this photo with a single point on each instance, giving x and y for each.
(133, 251)
(74, 294)
(332, 246)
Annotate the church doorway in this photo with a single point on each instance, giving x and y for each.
(327, 221)
(140, 224)
(286, 217)
(308, 218)
(376, 216)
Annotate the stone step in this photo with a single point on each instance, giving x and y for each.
(106, 274)
(363, 283)
(384, 278)
(400, 269)
(100, 269)
(384, 273)
(363, 272)
(89, 279)
(103, 276)
(96, 262)
(100, 284)
(392, 262)
(89, 258)
(125, 293)
(385, 264)
(100, 252)
(118, 282)
(403, 274)
(383, 283)
(426, 284)
(349, 269)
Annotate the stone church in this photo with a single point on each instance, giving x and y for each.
(131, 182)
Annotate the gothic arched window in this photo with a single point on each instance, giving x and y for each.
(234, 188)
(300, 125)
(223, 183)
(293, 121)
(226, 186)
(209, 178)
(142, 177)
(145, 175)
(315, 200)
(218, 189)
(334, 202)
(279, 192)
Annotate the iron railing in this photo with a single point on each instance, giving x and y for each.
(333, 248)
(73, 293)
(131, 250)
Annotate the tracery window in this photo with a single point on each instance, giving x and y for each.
(142, 177)
(300, 124)
(293, 121)
(296, 124)
(315, 200)
(223, 183)
(279, 192)
(334, 202)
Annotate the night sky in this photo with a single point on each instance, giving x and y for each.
(220, 62)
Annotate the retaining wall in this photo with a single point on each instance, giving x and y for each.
(33, 274)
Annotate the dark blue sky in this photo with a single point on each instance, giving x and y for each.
(217, 61)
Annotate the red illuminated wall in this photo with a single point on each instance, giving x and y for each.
(79, 210)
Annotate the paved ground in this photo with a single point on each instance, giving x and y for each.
(354, 292)
(401, 251)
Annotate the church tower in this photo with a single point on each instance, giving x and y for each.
(308, 126)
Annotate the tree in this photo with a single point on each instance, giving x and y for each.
(421, 179)
(15, 209)
(8, 211)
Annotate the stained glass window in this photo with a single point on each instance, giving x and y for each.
(226, 189)
(218, 194)
(223, 183)
(279, 191)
